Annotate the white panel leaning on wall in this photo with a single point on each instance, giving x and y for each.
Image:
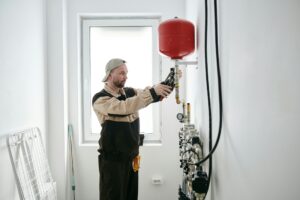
(30, 165)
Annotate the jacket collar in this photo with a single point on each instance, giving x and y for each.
(115, 93)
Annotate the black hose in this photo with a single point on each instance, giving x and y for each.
(209, 156)
(208, 96)
(219, 90)
(219, 72)
(212, 149)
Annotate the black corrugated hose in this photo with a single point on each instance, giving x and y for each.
(211, 150)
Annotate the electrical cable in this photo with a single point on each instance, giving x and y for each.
(190, 150)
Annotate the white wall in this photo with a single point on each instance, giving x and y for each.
(22, 77)
(57, 94)
(161, 160)
(259, 48)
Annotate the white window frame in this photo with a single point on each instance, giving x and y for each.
(85, 21)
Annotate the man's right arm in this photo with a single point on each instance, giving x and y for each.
(111, 105)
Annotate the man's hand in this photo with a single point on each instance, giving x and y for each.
(162, 90)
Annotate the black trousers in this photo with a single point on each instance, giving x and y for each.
(118, 181)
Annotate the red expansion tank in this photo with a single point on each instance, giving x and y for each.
(176, 38)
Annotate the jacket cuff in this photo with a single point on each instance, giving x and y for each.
(155, 97)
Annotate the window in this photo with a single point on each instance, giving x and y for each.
(132, 38)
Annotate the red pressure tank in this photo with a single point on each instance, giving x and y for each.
(176, 38)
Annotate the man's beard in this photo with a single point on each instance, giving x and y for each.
(119, 84)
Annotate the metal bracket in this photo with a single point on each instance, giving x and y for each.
(186, 63)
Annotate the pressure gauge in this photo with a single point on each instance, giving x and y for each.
(180, 117)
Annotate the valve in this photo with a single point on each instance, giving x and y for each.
(200, 182)
(195, 180)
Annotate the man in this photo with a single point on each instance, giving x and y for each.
(117, 109)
